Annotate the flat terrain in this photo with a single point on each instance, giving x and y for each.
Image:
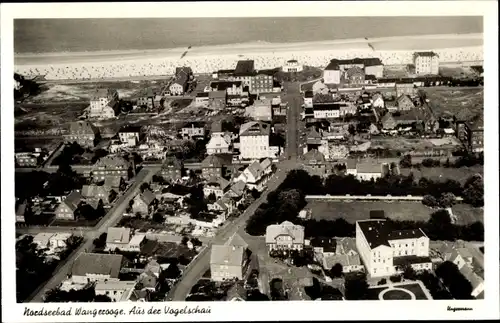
(464, 103)
(360, 210)
(442, 173)
(398, 293)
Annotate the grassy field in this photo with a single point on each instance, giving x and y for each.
(442, 173)
(360, 210)
(464, 103)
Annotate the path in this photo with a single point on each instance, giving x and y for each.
(293, 98)
(202, 262)
(110, 219)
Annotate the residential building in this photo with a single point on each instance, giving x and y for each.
(98, 192)
(331, 74)
(230, 87)
(229, 261)
(83, 133)
(323, 245)
(111, 165)
(217, 100)
(66, 210)
(308, 99)
(350, 263)
(285, 236)
(426, 63)
(260, 110)
(171, 170)
(377, 101)
(405, 103)
(263, 81)
(201, 99)
(116, 183)
(255, 175)
(217, 186)
(117, 291)
(326, 110)
(471, 134)
(193, 130)
(292, 66)
(254, 140)
(355, 75)
(385, 251)
(130, 135)
(144, 203)
(104, 104)
(95, 267)
(219, 144)
(337, 67)
(211, 166)
(117, 238)
(366, 170)
(314, 163)
(26, 159)
(180, 83)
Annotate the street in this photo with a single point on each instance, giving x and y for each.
(201, 264)
(110, 219)
(293, 97)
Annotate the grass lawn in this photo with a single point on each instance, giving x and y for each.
(464, 103)
(442, 173)
(360, 210)
(396, 294)
(141, 225)
(76, 223)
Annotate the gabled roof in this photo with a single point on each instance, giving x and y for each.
(471, 276)
(285, 228)
(219, 181)
(238, 188)
(118, 235)
(97, 264)
(255, 169)
(112, 161)
(95, 190)
(216, 127)
(226, 255)
(217, 142)
(83, 128)
(112, 181)
(212, 161)
(255, 128)
(245, 68)
(237, 241)
(186, 70)
(73, 200)
(172, 162)
(314, 156)
(265, 163)
(130, 129)
(147, 197)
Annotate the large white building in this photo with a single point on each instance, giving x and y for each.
(103, 104)
(385, 251)
(426, 63)
(292, 66)
(336, 70)
(254, 140)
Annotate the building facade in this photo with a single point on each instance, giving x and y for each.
(83, 133)
(285, 236)
(426, 63)
(254, 140)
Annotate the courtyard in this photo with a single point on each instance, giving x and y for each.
(399, 291)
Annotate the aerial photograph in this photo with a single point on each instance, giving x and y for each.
(249, 159)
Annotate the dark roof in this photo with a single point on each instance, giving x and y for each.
(186, 70)
(202, 95)
(377, 214)
(378, 232)
(370, 77)
(332, 66)
(328, 244)
(308, 94)
(245, 68)
(335, 63)
(429, 54)
(172, 162)
(225, 71)
(270, 72)
(326, 106)
(212, 161)
(94, 263)
(224, 85)
(409, 260)
(129, 129)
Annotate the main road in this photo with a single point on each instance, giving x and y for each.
(201, 263)
(293, 98)
(110, 219)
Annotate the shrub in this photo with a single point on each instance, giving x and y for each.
(430, 201)
(395, 278)
(383, 281)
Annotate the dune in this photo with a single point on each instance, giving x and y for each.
(139, 63)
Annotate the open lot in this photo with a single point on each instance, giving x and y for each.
(442, 173)
(360, 210)
(399, 292)
(463, 103)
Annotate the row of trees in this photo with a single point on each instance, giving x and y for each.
(465, 159)
(288, 199)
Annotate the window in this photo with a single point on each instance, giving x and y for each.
(422, 244)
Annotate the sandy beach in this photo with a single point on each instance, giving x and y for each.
(106, 64)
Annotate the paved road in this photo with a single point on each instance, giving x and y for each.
(201, 264)
(110, 219)
(293, 97)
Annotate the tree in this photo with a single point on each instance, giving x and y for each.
(395, 278)
(356, 286)
(196, 242)
(409, 273)
(383, 281)
(473, 191)
(447, 200)
(184, 240)
(336, 271)
(351, 129)
(439, 226)
(158, 217)
(405, 161)
(144, 187)
(211, 198)
(452, 278)
(100, 242)
(430, 201)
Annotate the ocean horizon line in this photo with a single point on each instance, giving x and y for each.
(248, 44)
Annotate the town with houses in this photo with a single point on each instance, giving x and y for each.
(346, 182)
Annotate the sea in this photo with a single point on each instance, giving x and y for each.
(84, 35)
